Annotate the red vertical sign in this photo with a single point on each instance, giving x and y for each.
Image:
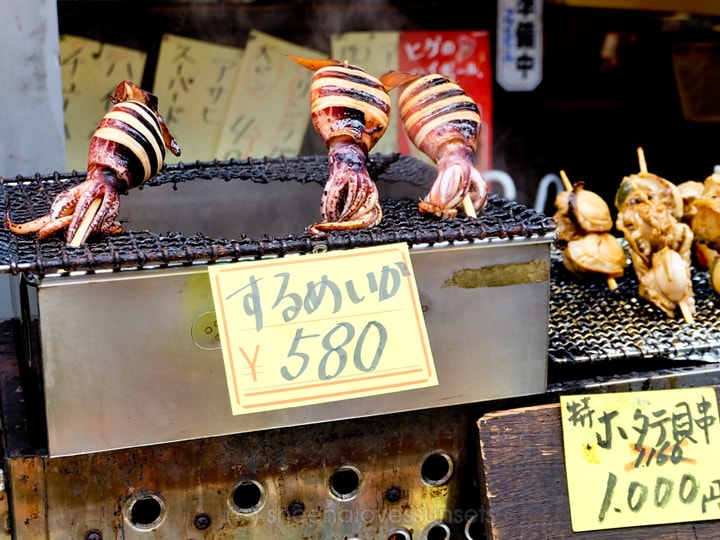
(464, 56)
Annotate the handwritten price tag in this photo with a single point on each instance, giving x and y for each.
(309, 329)
(641, 458)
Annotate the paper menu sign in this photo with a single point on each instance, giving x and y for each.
(90, 72)
(641, 458)
(194, 83)
(301, 330)
(461, 55)
(269, 112)
(376, 53)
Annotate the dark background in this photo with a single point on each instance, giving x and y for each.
(586, 117)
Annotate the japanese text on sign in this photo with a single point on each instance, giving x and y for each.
(376, 53)
(268, 113)
(463, 56)
(194, 82)
(519, 44)
(644, 458)
(90, 72)
(318, 328)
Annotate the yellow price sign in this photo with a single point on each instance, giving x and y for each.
(301, 330)
(641, 458)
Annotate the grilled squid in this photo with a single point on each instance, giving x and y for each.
(350, 111)
(443, 122)
(126, 150)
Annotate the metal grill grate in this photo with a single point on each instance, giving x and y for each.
(28, 198)
(589, 323)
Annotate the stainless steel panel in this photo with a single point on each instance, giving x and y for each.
(126, 361)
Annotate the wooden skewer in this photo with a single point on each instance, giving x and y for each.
(611, 283)
(641, 159)
(85, 223)
(468, 206)
(687, 313)
(565, 181)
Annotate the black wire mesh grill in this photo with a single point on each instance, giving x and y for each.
(590, 324)
(27, 198)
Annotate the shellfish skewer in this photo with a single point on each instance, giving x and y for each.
(641, 160)
(612, 284)
(684, 307)
(687, 313)
(565, 181)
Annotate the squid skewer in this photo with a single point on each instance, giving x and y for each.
(350, 111)
(126, 150)
(444, 123)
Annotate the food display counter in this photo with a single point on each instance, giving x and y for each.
(112, 434)
(115, 410)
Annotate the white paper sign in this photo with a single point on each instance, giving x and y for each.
(519, 44)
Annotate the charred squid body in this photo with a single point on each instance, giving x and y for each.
(350, 111)
(126, 150)
(443, 122)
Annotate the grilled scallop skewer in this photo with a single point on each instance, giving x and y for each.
(444, 123)
(650, 213)
(703, 215)
(126, 150)
(667, 282)
(350, 111)
(580, 211)
(584, 223)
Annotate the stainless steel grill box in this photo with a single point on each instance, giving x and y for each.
(122, 363)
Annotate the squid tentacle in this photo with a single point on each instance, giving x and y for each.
(126, 150)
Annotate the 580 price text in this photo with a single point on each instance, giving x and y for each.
(338, 346)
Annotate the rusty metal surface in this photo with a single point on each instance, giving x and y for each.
(30, 197)
(360, 479)
(404, 476)
(5, 517)
(251, 486)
